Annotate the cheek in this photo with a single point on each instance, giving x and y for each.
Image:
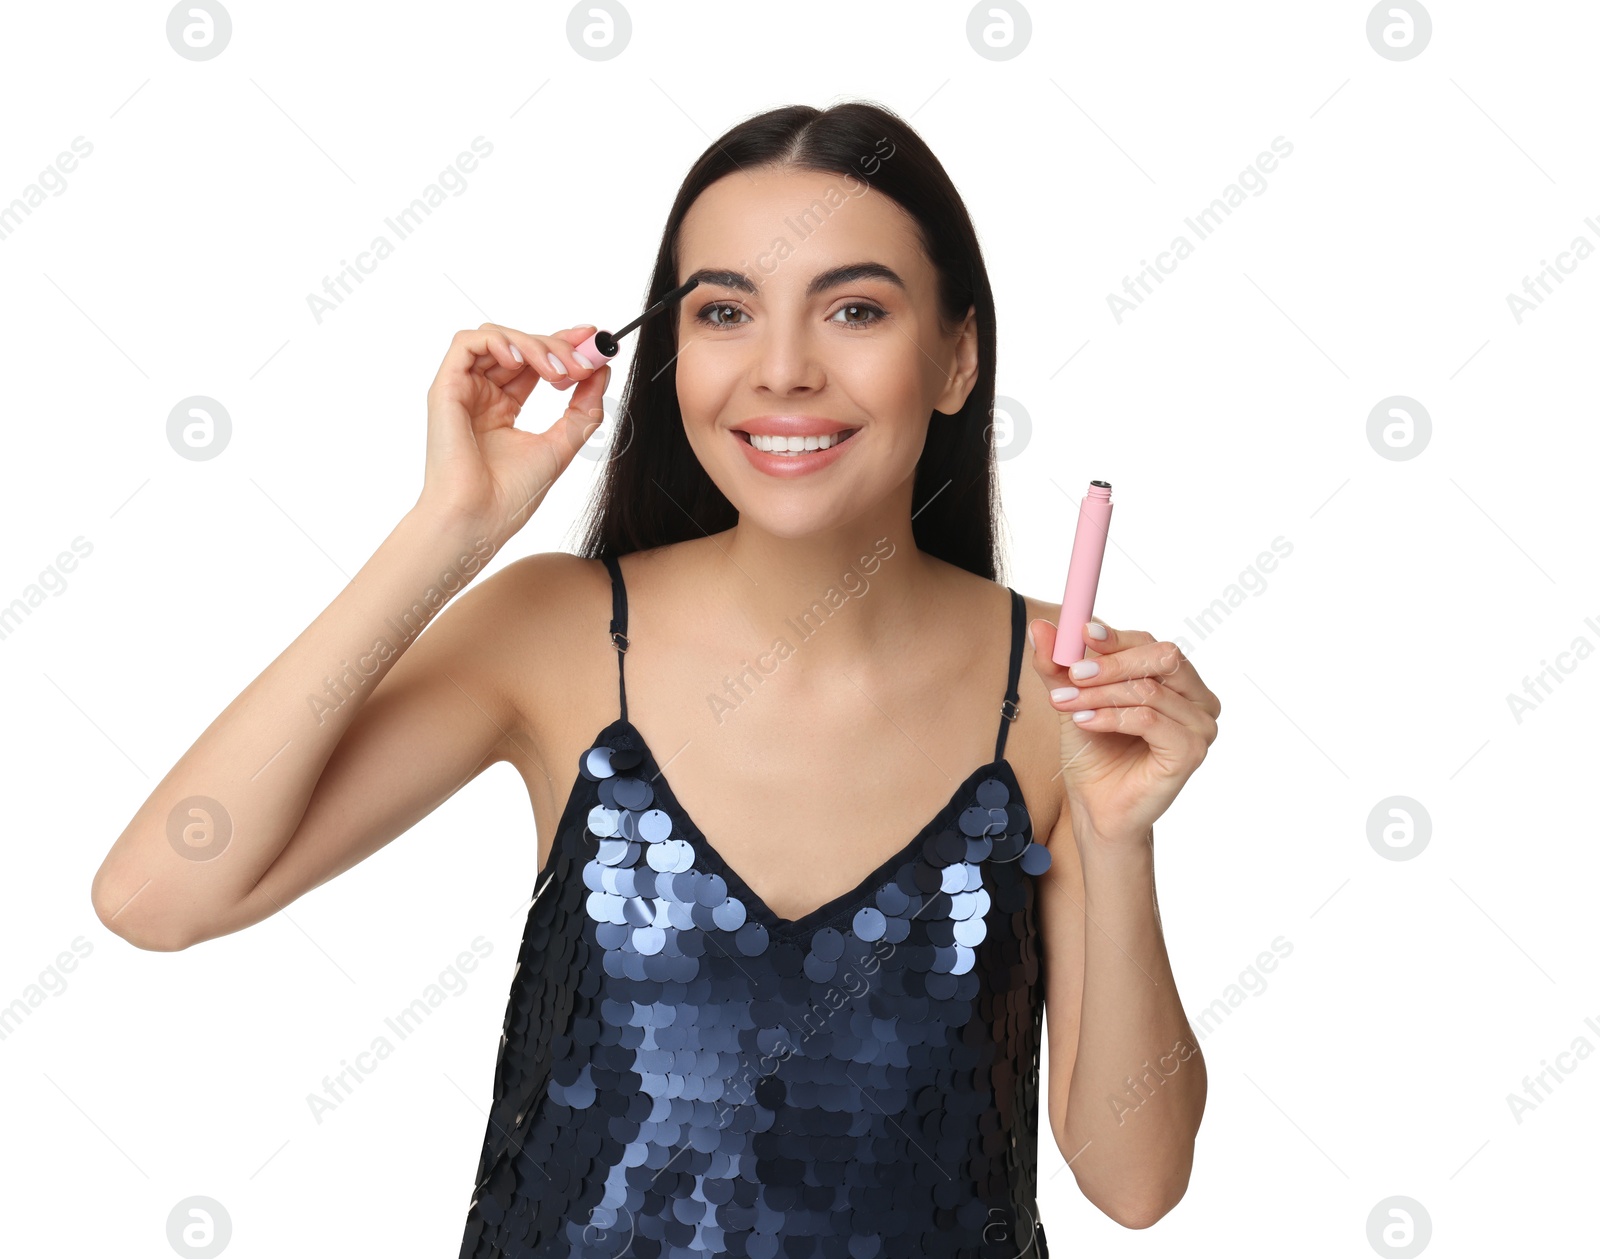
(888, 380)
(704, 382)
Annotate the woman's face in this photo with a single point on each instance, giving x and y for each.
(772, 340)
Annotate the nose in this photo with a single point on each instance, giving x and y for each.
(786, 356)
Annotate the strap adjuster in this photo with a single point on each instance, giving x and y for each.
(619, 640)
(1010, 708)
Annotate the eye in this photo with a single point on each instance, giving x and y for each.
(702, 315)
(866, 308)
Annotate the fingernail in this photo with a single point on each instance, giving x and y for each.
(1083, 716)
(557, 365)
(596, 413)
(1084, 669)
(1030, 633)
(515, 353)
(582, 362)
(1097, 630)
(1063, 693)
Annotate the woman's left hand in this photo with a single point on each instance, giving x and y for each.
(1151, 720)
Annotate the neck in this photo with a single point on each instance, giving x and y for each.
(835, 597)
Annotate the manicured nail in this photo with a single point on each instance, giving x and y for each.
(1063, 693)
(515, 353)
(1030, 633)
(1083, 669)
(582, 362)
(559, 367)
(1085, 715)
(1097, 630)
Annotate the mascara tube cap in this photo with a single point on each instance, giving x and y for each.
(601, 347)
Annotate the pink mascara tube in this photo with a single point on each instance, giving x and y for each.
(1083, 572)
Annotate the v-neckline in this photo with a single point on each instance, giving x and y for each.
(710, 860)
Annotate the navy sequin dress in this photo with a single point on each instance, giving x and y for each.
(684, 1073)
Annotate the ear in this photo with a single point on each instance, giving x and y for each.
(963, 366)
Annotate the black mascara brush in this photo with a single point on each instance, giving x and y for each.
(601, 347)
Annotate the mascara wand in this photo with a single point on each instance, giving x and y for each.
(601, 347)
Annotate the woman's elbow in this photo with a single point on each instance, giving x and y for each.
(1135, 1211)
(1141, 1215)
(153, 937)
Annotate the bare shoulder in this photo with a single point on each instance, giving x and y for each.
(553, 617)
(548, 590)
(1042, 609)
(547, 614)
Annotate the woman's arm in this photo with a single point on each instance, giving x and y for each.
(1138, 1081)
(353, 733)
(1126, 1099)
(296, 780)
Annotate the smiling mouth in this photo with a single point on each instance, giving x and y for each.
(796, 445)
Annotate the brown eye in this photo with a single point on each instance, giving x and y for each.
(703, 316)
(873, 313)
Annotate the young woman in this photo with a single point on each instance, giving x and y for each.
(817, 856)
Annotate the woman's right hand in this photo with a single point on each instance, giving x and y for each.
(483, 471)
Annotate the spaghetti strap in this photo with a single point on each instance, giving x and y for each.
(1010, 707)
(619, 624)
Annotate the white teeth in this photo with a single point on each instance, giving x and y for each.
(794, 445)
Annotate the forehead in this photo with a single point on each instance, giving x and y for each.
(784, 225)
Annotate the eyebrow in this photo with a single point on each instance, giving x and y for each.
(820, 282)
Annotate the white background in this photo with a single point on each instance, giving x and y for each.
(1230, 409)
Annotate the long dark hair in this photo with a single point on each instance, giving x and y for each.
(655, 492)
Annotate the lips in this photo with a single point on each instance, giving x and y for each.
(791, 425)
(772, 429)
(840, 435)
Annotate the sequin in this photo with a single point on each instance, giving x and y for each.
(654, 826)
(729, 916)
(634, 794)
(682, 1072)
(868, 924)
